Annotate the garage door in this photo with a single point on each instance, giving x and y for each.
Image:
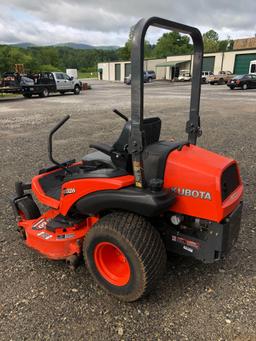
(127, 69)
(117, 72)
(242, 63)
(208, 63)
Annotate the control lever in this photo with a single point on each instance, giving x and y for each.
(120, 114)
(52, 132)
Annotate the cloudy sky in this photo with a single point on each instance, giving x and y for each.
(107, 22)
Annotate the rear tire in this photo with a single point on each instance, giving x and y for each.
(27, 95)
(244, 86)
(125, 254)
(44, 93)
(77, 90)
(28, 209)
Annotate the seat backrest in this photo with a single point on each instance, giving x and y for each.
(151, 128)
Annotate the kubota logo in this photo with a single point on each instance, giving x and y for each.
(186, 192)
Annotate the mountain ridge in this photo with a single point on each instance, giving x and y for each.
(71, 45)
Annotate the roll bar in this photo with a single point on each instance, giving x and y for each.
(137, 87)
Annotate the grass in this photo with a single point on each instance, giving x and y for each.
(3, 95)
(87, 75)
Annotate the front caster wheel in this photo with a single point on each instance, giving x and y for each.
(28, 209)
(73, 261)
(125, 255)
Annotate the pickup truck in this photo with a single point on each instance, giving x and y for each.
(221, 78)
(50, 82)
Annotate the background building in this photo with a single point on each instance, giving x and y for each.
(236, 61)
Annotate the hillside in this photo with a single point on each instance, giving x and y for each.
(80, 46)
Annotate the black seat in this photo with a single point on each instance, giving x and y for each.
(118, 153)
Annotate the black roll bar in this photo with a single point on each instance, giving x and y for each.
(137, 87)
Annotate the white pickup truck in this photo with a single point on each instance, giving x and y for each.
(45, 83)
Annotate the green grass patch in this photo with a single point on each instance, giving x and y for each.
(87, 75)
(3, 95)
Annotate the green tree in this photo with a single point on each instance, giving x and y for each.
(172, 43)
(226, 45)
(124, 53)
(213, 44)
(211, 35)
(211, 41)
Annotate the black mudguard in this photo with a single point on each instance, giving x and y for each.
(140, 201)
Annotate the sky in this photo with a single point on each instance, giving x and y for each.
(107, 22)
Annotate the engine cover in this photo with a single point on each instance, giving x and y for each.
(207, 185)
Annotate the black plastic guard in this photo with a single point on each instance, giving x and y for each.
(143, 202)
(211, 245)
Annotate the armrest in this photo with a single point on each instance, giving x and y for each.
(102, 147)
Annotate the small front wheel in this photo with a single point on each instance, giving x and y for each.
(125, 255)
(28, 209)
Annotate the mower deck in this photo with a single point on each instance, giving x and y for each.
(54, 236)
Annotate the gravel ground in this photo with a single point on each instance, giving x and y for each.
(44, 300)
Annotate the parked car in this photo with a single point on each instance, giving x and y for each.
(148, 77)
(50, 82)
(184, 76)
(221, 78)
(243, 82)
(151, 74)
(252, 67)
(205, 76)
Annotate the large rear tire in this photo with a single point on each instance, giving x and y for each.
(125, 254)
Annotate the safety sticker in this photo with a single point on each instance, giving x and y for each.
(187, 248)
(40, 225)
(186, 242)
(44, 235)
(65, 236)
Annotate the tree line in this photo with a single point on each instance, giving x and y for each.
(58, 58)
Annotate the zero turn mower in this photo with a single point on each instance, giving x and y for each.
(123, 206)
